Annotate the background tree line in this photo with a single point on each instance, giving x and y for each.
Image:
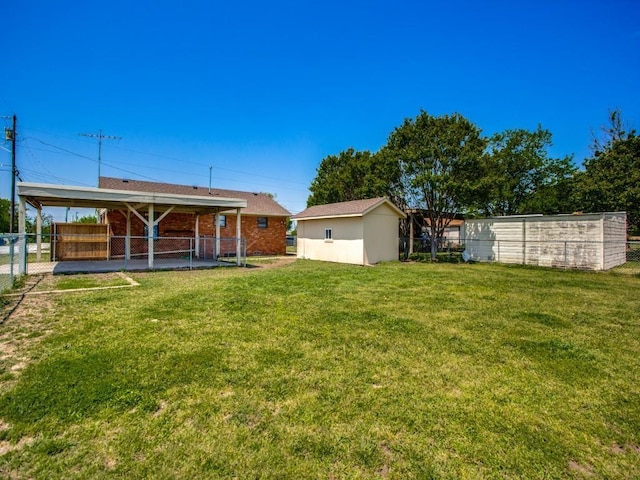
(445, 166)
(30, 222)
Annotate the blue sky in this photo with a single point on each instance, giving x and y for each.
(263, 91)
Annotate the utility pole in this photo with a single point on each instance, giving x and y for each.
(100, 137)
(10, 136)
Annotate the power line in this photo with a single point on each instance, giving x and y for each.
(175, 159)
(139, 175)
(207, 165)
(94, 160)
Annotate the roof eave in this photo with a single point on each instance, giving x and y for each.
(91, 197)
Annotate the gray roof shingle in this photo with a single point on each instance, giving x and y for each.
(257, 203)
(342, 209)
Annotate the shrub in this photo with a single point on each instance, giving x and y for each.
(442, 257)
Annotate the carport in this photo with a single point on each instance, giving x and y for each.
(143, 205)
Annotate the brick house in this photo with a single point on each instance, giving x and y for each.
(263, 221)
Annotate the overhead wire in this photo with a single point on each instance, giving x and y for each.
(206, 165)
(181, 160)
(136, 174)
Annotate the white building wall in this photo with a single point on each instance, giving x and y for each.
(494, 240)
(346, 245)
(381, 235)
(592, 241)
(569, 241)
(615, 236)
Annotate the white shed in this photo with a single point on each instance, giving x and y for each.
(595, 241)
(361, 232)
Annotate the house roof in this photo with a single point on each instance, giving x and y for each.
(257, 203)
(355, 208)
(453, 223)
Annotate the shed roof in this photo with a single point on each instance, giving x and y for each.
(256, 203)
(354, 208)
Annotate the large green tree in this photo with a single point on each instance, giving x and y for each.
(439, 158)
(5, 215)
(520, 177)
(611, 179)
(353, 175)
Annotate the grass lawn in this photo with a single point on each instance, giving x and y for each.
(328, 371)
(5, 259)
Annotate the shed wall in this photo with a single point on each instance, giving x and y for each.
(594, 241)
(380, 235)
(615, 235)
(346, 245)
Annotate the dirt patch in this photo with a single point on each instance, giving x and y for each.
(19, 333)
(267, 263)
(9, 302)
(6, 447)
(584, 470)
(617, 448)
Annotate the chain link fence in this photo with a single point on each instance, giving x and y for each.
(22, 254)
(562, 254)
(11, 245)
(633, 251)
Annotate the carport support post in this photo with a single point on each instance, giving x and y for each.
(22, 229)
(238, 237)
(39, 235)
(197, 246)
(127, 240)
(150, 225)
(217, 252)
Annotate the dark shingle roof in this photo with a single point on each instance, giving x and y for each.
(257, 203)
(343, 209)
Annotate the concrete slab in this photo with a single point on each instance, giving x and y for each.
(105, 266)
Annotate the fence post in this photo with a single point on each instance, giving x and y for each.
(565, 255)
(498, 251)
(24, 252)
(11, 257)
(191, 252)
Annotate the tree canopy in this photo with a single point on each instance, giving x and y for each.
(611, 180)
(444, 166)
(439, 158)
(520, 177)
(353, 175)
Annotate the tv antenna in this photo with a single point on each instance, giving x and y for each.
(100, 137)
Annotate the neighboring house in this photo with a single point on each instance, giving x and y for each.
(419, 230)
(590, 241)
(361, 232)
(263, 221)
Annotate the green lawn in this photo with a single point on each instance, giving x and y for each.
(329, 371)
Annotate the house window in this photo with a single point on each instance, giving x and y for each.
(223, 220)
(263, 222)
(328, 235)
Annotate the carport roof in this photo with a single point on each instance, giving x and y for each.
(45, 194)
